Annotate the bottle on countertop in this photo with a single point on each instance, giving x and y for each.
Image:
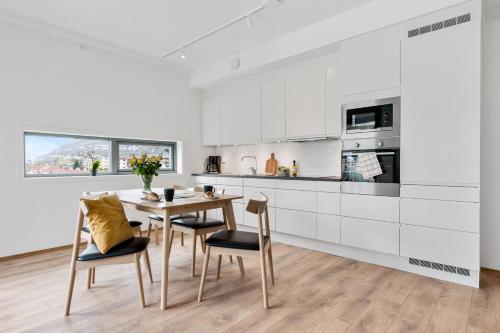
(294, 169)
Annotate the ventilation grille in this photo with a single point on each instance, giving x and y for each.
(439, 267)
(439, 25)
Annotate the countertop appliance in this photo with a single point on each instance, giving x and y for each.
(377, 118)
(213, 165)
(387, 151)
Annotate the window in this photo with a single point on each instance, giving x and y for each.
(67, 155)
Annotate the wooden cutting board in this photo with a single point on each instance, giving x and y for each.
(271, 165)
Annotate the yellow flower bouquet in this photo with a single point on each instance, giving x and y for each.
(147, 167)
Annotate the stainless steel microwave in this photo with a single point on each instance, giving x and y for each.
(371, 119)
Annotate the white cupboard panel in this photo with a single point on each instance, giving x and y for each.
(251, 219)
(273, 110)
(303, 185)
(235, 181)
(370, 235)
(204, 180)
(249, 115)
(210, 120)
(328, 203)
(239, 213)
(460, 216)
(375, 68)
(259, 182)
(451, 193)
(370, 207)
(328, 228)
(441, 94)
(298, 200)
(305, 105)
(328, 186)
(333, 102)
(229, 118)
(453, 248)
(232, 190)
(254, 193)
(296, 222)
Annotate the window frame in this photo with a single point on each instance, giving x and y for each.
(113, 169)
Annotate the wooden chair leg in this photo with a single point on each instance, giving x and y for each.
(202, 242)
(139, 279)
(89, 277)
(240, 264)
(204, 274)
(148, 265)
(219, 261)
(231, 259)
(193, 259)
(171, 239)
(182, 239)
(264, 279)
(270, 259)
(138, 231)
(157, 235)
(71, 284)
(93, 275)
(149, 229)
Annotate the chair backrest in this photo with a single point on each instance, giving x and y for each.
(259, 208)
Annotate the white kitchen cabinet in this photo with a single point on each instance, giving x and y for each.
(251, 220)
(260, 182)
(296, 223)
(301, 185)
(333, 111)
(254, 193)
(239, 213)
(328, 203)
(299, 200)
(249, 121)
(210, 120)
(455, 248)
(328, 228)
(370, 235)
(440, 110)
(370, 207)
(231, 190)
(273, 110)
(371, 69)
(204, 180)
(327, 186)
(229, 119)
(449, 193)
(233, 181)
(305, 105)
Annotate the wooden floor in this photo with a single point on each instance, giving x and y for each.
(314, 292)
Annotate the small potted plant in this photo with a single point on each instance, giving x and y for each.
(146, 167)
(95, 166)
(283, 171)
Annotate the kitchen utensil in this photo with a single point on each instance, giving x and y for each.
(271, 165)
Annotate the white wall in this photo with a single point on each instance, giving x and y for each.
(48, 83)
(315, 159)
(490, 151)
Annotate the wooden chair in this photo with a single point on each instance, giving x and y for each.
(157, 220)
(198, 226)
(129, 251)
(244, 244)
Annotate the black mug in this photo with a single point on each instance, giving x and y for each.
(208, 188)
(169, 194)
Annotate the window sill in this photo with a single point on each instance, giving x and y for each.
(95, 179)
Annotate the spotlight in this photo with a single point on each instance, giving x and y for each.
(183, 54)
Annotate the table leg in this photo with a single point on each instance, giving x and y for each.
(165, 255)
(231, 223)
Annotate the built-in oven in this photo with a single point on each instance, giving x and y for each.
(377, 118)
(385, 157)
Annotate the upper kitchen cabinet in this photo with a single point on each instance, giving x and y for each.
(210, 123)
(305, 105)
(249, 121)
(372, 69)
(333, 103)
(273, 110)
(440, 96)
(229, 119)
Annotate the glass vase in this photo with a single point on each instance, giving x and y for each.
(146, 181)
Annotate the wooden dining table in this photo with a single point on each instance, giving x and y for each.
(183, 203)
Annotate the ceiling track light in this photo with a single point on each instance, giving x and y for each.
(249, 21)
(183, 54)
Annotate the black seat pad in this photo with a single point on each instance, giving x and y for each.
(131, 246)
(235, 239)
(198, 223)
(172, 218)
(132, 224)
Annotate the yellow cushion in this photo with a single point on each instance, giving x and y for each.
(108, 223)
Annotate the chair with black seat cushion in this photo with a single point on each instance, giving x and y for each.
(136, 227)
(128, 251)
(157, 220)
(242, 243)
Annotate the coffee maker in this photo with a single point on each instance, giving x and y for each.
(213, 165)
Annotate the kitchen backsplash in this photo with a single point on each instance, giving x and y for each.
(318, 158)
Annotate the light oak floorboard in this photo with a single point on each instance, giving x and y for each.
(314, 292)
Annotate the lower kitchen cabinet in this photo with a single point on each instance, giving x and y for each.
(296, 223)
(370, 235)
(239, 213)
(328, 228)
(370, 207)
(251, 219)
(254, 193)
(454, 248)
(296, 200)
(328, 203)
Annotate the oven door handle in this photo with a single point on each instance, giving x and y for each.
(388, 153)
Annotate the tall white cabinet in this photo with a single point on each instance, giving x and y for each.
(229, 118)
(273, 110)
(249, 115)
(210, 120)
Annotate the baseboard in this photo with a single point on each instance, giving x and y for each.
(34, 253)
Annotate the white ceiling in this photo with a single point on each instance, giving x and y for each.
(154, 27)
